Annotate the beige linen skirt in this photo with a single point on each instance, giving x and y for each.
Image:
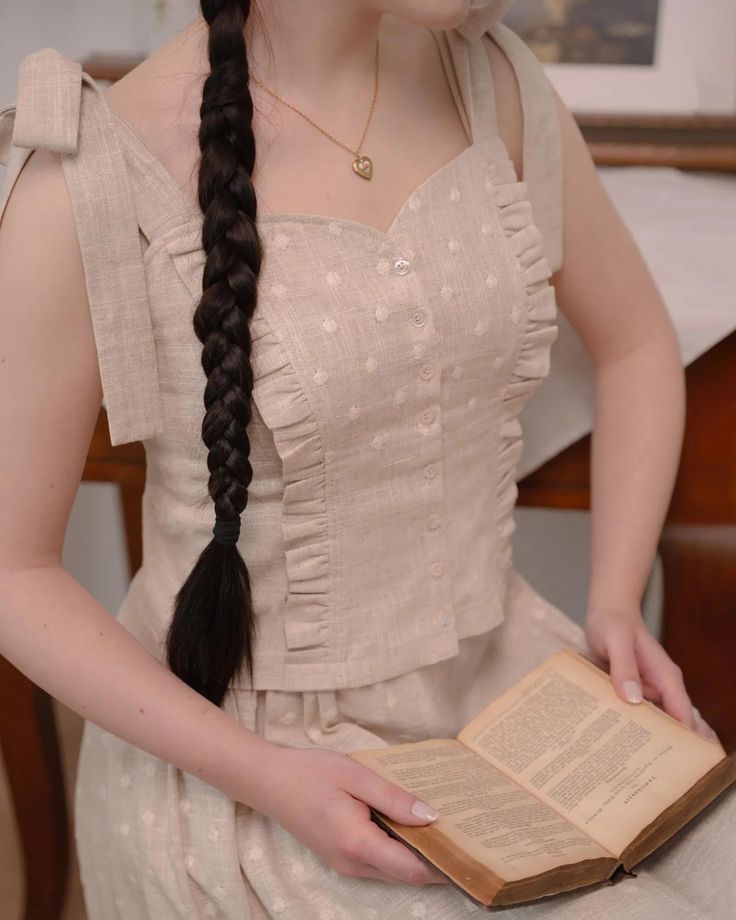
(155, 842)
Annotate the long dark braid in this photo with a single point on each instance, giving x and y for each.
(213, 626)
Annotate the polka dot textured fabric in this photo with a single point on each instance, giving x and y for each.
(390, 370)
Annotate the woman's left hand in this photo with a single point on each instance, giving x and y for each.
(638, 664)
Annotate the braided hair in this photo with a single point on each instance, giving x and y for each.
(212, 630)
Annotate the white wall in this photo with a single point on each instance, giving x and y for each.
(74, 27)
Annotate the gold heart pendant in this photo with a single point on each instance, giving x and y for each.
(363, 167)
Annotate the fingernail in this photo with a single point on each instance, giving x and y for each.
(422, 810)
(633, 691)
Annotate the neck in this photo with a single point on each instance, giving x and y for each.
(300, 48)
(304, 50)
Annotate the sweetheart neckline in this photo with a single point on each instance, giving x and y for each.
(279, 217)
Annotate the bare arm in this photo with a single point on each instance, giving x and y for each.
(605, 289)
(51, 628)
(55, 632)
(607, 292)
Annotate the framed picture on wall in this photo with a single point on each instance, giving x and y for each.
(645, 57)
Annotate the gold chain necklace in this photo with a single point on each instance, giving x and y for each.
(362, 165)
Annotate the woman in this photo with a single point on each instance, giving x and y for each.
(370, 320)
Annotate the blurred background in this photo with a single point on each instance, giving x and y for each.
(664, 176)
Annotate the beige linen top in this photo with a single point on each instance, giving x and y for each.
(390, 370)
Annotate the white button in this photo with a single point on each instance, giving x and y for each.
(437, 569)
(426, 372)
(419, 317)
(443, 619)
(433, 521)
(314, 734)
(401, 266)
(430, 471)
(427, 416)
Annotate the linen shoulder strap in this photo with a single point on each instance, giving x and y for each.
(60, 108)
(542, 142)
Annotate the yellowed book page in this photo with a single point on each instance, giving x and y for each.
(609, 766)
(482, 810)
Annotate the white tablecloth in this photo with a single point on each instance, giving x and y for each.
(685, 226)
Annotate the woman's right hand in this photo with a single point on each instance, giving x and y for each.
(321, 798)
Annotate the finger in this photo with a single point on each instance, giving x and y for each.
(365, 870)
(675, 698)
(667, 675)
(600, 660)
(651, 691)
(624, 668)
(704, 728)
(396, 859)
(390, 799)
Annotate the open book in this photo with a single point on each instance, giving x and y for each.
(557, 784)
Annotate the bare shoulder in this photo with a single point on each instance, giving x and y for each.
(40, 259)
(160, 98)
(51, 389)
(508, 101)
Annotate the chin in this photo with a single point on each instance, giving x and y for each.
(432, 14)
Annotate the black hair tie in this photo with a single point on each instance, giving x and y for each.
(227, 532)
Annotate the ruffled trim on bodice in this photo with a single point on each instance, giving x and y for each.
(285, 410)
(537, 311)
(284, 405)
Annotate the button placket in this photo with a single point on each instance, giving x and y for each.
(433, 532)
(434, 540)
(433, 521)
(424, 363)
(396, 263)
(424, 350)
(428, 381)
